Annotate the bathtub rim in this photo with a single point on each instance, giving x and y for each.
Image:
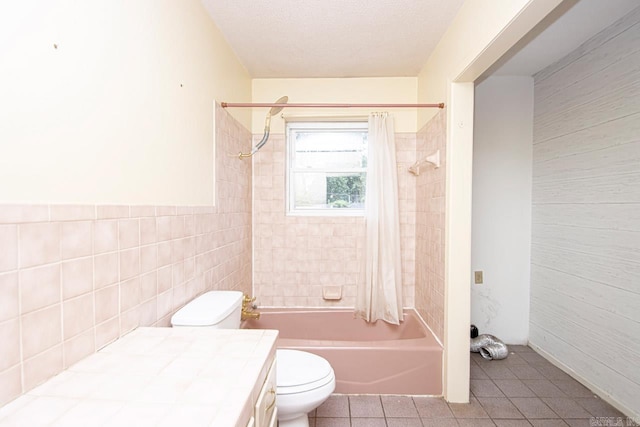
(423, 342)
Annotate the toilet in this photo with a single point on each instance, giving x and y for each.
(303, 380)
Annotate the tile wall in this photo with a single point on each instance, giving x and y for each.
(429, 225)
(74, 278)
(295, 256)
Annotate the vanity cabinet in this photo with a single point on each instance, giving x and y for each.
(265, 410)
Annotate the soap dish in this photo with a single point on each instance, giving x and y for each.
(332, 293)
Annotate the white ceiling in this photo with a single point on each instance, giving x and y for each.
(364, 38)
(566, 28)
(332, 38)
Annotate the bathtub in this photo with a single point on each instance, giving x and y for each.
(367, 358)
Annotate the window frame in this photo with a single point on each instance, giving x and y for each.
(293, 126)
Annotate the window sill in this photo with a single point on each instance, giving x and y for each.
(329, 213)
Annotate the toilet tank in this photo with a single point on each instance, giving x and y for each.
(215, 309)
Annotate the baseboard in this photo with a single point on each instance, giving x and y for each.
(597, 390)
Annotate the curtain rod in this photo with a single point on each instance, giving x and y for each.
(307, 105)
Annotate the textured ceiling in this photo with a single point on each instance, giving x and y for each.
(332, 38)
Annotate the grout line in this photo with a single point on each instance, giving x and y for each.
(60, 237)
(20, 333)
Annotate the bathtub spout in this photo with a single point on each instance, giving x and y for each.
(248, 309)
(244, 315)
(489, 347)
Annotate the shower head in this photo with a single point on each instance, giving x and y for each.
(275, 110)
(272, 112)
(267, 126)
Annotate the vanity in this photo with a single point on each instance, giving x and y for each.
(161, 377)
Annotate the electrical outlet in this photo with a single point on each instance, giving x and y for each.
(477, 277)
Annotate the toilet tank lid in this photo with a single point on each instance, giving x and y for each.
(207, 309)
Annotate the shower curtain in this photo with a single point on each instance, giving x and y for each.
(379, 293)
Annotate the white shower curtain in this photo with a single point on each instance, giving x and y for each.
(380, 287)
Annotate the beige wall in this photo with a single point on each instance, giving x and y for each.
(351, 90)
(74, 278)
(121, 111)
(107, 169)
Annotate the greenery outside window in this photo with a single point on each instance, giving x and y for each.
(327, 168)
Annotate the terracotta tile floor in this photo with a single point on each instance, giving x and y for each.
(523, 390)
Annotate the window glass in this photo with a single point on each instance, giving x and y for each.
(327, 167)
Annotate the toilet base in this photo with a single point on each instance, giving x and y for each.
(301, 421)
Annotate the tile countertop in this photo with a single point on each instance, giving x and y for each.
(155, 377)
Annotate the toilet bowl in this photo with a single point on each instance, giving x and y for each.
(303, 380)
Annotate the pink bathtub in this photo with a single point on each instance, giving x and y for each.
(367, 358)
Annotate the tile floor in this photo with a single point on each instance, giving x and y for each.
(522, 390)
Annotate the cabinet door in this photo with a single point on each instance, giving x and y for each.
(252, 422)
(274, 418)
(266, 403)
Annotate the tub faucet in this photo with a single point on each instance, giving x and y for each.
(248, 308)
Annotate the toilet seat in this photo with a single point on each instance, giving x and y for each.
(299, 372)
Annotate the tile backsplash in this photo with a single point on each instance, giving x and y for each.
(75, 277)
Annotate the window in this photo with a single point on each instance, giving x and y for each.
(327, 167)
